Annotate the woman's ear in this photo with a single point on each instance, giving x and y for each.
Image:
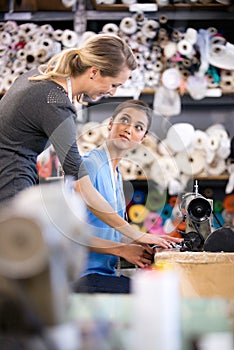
(92, 72)
(110, 124)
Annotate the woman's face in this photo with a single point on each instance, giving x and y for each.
(128, 128)
(100, 86)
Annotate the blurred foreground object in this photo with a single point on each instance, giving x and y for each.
(43, 240)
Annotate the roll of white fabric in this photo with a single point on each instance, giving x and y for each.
(217, 40)
(190, 163)
(47, 28)
(170, 49)
(128, 25)
(171, 78)
(163, 169)
(213, 143)
(69, 38)
(224, 148)
(106, 2)
(85, 36)
(21, 54)
(5, 71)
(10, 26)
(191, 35)
(110, 28)
(149, 28)
(128, 2)
(90, 132)
(200, 139)
(196, 86)
(58, 34)
(18, 67)
(180, 136)
(3, 50)
(185, 48)
(142, 155)
(69, 3)
(85, 147)
(217, 167)
(5, 38)
(8, 81)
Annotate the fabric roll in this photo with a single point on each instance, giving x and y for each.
(69, 38)
(228, 203)
(218, 206)
(110, 28)
(171, 78)
(166, 212)
(217, 167)
(139, 197)
(85, 147)
(179, 136)
(137, 213)
(155, 199)
(5, 38)
(190, 164)
(128, 25)
(200, 139)
(170, 49)
(153, 223)
(197, 86)
(185, 48)
(90, 132)
(69, 3)
(58, 34)
(149, 29)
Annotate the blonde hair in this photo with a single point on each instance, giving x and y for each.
(107, 52)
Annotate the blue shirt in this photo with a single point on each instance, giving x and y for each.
(98, 168)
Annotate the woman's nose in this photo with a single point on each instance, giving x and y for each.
(112, 91)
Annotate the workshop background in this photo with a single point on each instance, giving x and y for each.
(185, 73)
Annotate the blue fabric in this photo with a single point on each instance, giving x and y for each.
(96, 163)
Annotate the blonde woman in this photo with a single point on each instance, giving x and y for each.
(37, 111)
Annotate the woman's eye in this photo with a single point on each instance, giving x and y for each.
(139, 128)
(124, 120)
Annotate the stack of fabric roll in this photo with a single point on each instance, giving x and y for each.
(171, 61)
(25, 46)
(185, 153)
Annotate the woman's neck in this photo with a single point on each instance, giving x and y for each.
(114, 154)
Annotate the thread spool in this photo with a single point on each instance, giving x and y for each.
(155, 199)
(153, 223)
(138, 197)
(137, 213)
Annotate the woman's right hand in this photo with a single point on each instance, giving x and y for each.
(137, 254)
(163, 241)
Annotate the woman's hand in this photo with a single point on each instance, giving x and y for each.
(140, 255)
(163, 241)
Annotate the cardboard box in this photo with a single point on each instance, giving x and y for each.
(202, 274)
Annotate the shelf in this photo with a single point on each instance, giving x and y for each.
(174, 14)
(39, 16)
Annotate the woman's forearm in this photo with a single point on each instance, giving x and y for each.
(103, 210)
